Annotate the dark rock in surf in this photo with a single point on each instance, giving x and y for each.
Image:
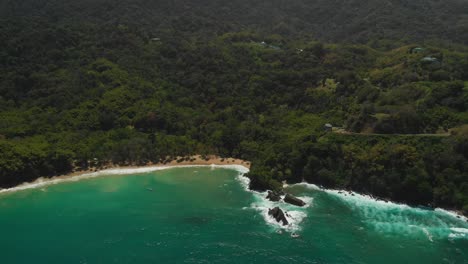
(293, 200)
(278, 214)
(274, 196)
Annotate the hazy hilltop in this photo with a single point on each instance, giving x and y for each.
(326, 20)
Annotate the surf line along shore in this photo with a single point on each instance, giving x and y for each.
(189, 161)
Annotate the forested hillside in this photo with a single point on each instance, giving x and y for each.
(335, 21)
(129, 82)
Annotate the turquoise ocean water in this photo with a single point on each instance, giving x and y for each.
(205, 215)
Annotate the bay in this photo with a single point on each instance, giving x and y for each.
(206, 215)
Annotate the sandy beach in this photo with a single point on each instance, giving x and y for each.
(211, 159)
(111, 169)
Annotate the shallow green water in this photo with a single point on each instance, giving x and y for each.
(201, 215)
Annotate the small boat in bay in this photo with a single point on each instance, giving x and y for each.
(294, 235)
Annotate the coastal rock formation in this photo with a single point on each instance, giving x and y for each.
(257, 183)
(293, 200)
(274, 196)
(278, 214)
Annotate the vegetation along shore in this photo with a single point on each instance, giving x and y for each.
(81, 90)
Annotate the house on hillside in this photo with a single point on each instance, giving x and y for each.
(417, 50)
(271, 46)
(429, 59)
(328, 127)
(431, 62)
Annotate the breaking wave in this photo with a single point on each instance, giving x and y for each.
(294, 214)
(394, 218)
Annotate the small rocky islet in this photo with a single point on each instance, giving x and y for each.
(276, 212)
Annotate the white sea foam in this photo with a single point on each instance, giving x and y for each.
(452, 213)
(458, 233)
(294, 214)
(428, 234)
(244, 181)
(460, 230)
(383, 216)
(114, 171)
(294, 217)
(308, 200)
(360, 199)
(308, 185)
(390, 217)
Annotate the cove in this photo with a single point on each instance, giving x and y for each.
(206, 215)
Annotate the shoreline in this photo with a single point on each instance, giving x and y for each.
(349, 194)
(185, 162)
(180, 162)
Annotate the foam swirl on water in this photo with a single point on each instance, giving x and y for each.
(393, 218)
(294, 214)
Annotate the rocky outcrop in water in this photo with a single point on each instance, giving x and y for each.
(293, 200)
(278, 214)
(274, 196)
